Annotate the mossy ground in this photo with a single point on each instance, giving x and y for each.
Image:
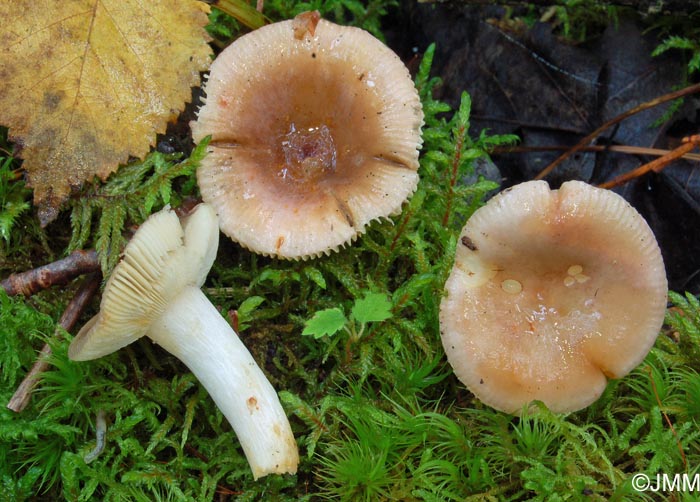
(375, 407)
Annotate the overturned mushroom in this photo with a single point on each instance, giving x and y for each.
(315, 131)
(155, 291)
(552, 291)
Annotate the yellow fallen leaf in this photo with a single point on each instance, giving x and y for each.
(87, 83)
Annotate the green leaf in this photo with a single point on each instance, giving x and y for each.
(374, 307)
(674, 42)
(8, 214)
(325, 322)
(464, 110)
(13, 195)
(316, 276)
(412, 288)
(245, 311)
(311, 417)
(248, 305)
(694, 63)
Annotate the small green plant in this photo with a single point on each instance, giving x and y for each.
(682, 34)
(352, 342)
(226, 19)
(222, 26)
(684, 44)
(364, 14)
(373, 307)
(130, 196)
(685, 320)
(678, 34)
(13, 198)
(579, 20)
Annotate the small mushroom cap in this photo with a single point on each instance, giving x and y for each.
(552, 291)
(162, 258)
(315, 133)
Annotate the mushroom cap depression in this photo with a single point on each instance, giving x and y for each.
(315, 132)
(551, 292)
(164, 256)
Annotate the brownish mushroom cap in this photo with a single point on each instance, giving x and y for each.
(552, 291)
(315, 133)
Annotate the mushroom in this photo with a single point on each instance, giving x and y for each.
(315, 131)
(155, 291)
(551, 292)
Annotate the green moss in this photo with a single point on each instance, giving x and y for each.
(375, 408)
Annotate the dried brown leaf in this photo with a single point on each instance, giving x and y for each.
(87, 83)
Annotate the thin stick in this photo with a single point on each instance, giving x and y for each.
(57, 273)
(627, 149)
(655, 165)
(70, 317)
(588, 139)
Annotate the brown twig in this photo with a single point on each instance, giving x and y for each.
(640, 108)
(626, 149)
(70, 317)
(57, 273)
(655, 165)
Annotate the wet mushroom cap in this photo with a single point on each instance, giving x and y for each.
(314, 133)
(552, 292)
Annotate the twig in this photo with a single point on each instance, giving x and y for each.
(655, 165)
(640, 108)
(70, 316)
(627, 149)
(57, 273)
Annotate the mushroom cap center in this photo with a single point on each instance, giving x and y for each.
(309, 154)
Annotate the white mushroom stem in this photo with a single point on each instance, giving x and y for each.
(193, 330)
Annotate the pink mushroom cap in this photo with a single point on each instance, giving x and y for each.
(552, 293)
(315, 132)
